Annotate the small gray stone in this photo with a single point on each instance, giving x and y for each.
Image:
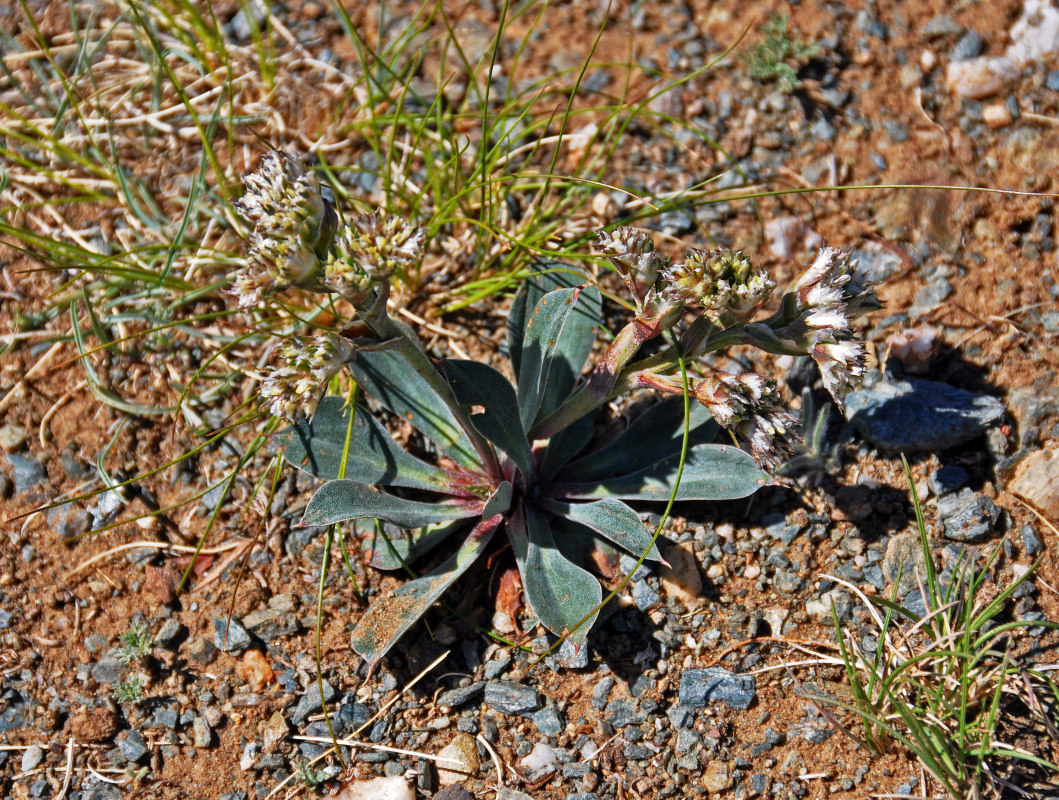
(32, 757)
(968, 516)
(918, 415)
(269, 624)
(164, 718)
(944, 25)
(623, 712)
(787, 582)
(511, 698)
(601, 692)
(310, 702)
(229, 635)
(70, 521)
(934, 292)
(454, 698)
(570, 656)
(644, 596)
(132, 747)
(26, 471)
(701, 686)
(5, 619)
(676, 222)
(202, 734)
(822, 130)
(967, 46)
(108, 669)
(947, 479)
(1031, 542)
(169, 632)
(1051, 81)
(202, 651)
(548, 721)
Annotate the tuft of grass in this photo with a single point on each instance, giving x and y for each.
(952, 686)
(773, 58)
(135, 644)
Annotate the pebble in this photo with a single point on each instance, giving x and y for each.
(12, 437)
(26, 472)
(701, 686)
(32, 757)
(269, 624)
(947, 479)
(511, 698)
(460, 760)
(392, 788)
(548, 721)
(310, 702)
(681, 580)
(1035, 480)
(997, 115)
(644, 596)
(274, 733)
(904, 557)
(454, 698)
(455, 792)
(1031, 541)
(916, 415)
(943, 25)
(541, 761)
(203, 736)
(601, 692)
(978, 78)
(229, 635)
(717, 777)
(108, 669)
(967, 46)
(255, 670)
(968, 516)
(169, 633)
(202, 651)
(787, 582)
(132, 747)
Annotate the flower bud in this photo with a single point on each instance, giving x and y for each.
(634, 257)
(717, 281)
(305, 368)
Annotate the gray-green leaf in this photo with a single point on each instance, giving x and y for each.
(338, 501)
(612, 519)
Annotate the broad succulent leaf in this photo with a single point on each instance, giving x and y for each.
(338, 501)
(654, 436)
(711, 472)
(388, 618)
(387, 377)
(315, 445)
(560, 593)
(477, 384)
(394, 547)
(559, 335)
(553, 275)
(611, 519)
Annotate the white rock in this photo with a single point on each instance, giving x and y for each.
(395, 788)
(1035, 481)
(1036, 33)
(458, 760)
(977, 78)
(540, 761)
(996, 115)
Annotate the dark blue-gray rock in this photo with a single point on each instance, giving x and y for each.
(933, 293)
(269, 624)
(701, 686)
(68, 521)
(1051, 81)
(676, 222)
(622, 712)
(99, 791)
(109, 668)
(601, 692)
(571, 656)
(168, 634)
(496, 665)
(917, 415)
(968, 516)
(454, 792)
(229, 635)
(5, 619)
(967, 46)
(310, 702)
(454, 698)
(132, 747)
(644, 596)
(759, 782)
(548, 721)
(1031, 541)
(511, 698)
(164, 718)
(947, 479)
(26, 472)
(915, 602)
(12, 719)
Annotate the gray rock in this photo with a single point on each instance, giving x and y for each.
(878, 262)
(269, 624)
(12, 719)
(1031, 542)
(602, 691)
(132, 747)
(917, 415)
(548, 721)
(511, 698)
(250, 17)
(1051, 82)
(968, 516)
(787, 582)
(454, 698)
(203, 736)
(229, 635)
(164, 718)
(822, 130)
(944, 25)
(5, 619)
(69, 521)
(170, 631)
(310, 702)
(202, 651)
(26, 472)
(108, 669)
(904, 558)
(644, 596)
(570, 656)
(947, 479)
(32, 757)
(967, 46)
(934, 292)
(676, 222)
(623, 712)
(701, 686)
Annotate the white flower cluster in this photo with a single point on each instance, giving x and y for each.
(717, 281)
(368, 251)
(750, 406)
(635, 258)
(305, 367)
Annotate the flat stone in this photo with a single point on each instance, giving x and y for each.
(454, 698)
(132, 747)
(108, 669)
(392, 788)
(229, 635)
(203, 736)
(947, 479)
(541, 761)
(787, 582)
(701, 686)
(968, 516)
(310, 702)
(32, 757)
(269, 624)
(69, 521)
(511, 698)
(168, 634)
(1035, 480)
(644, 596)
(717, 777)
(275, 732)
(202, 651)
(26, 472)
(682, 579)
(548, 721)
(917, 415)
(458, 760)
(1031, 541)
(904, 558)
(978, 78)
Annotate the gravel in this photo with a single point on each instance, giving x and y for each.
(511, 698)
(698, 687)
(968, 516)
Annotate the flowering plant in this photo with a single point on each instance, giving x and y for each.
(520, 457)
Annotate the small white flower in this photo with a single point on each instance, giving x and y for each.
(294, 386)
(368, 251)
(749, 406)
(717, 281)
(635, 259)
